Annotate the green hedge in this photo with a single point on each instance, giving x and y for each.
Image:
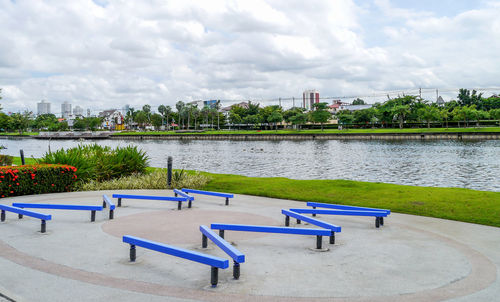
(36, 179)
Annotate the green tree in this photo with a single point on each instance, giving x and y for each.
(275, 117)
(320, 114)
(300, 118)
(364, 116)
(4, 121)
(93, 122)
(20, 121)
(429, 114)
(445, 115)
(79, 124)
(147, 110)
(234, 118)
(253, 119)
(345, 118)
(466, 98)
(157, 120)
(45, 121)
(358, 101)
(400, 112)
(141, 118)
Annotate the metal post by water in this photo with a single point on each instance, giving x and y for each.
(22, 157)
(169, 172)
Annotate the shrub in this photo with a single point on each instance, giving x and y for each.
(100, 163)
(155, 180)
(36, 179)
(6, 160)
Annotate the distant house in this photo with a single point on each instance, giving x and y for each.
(227, 109)
(335, 106)
(112, 119)
(355, 107)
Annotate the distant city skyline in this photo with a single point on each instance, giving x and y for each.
(160, 53)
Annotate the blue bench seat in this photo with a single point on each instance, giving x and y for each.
(352, 211)
(272, 229)
(163, 198)
(333, 228)
(214, 262)
(218, 194)
(190, 198)
(21, 212)
(92, 209)
(107, 202)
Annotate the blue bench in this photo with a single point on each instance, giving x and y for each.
(164, 198)
(333, 228)
(106, 201)
(238, 257)
(214, 262)
(218, 194)
(92, 209)
(379, 220)
(190, 198)
(21, 212)
(272, 229)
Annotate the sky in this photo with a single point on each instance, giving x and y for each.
(104, 54)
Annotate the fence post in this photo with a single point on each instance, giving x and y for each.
(22, 157)
(169, 172)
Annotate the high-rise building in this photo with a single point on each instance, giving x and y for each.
(78, 111)
(65, 109)
(310, 97)
(43, 107)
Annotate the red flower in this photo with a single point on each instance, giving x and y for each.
(53, 185)
(17, 184)
(11, 191)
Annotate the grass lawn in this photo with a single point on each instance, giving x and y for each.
(27, 160)
(466, 205)
(317, 131)
(17, 133)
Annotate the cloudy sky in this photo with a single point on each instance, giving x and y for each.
(104, 54)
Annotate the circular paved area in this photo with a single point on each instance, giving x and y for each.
(409, 259)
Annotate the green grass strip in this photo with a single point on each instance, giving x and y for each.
(481, 207)
(318, 131)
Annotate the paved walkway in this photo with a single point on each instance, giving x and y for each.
(411, 258)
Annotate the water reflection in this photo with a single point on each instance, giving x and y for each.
(474, 165)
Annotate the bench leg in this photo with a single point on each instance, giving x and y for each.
(381, 220)
(111, 214)
(92, 216)
(227, 201)
(204, 241)
(287, 220)
(189, 204)
(43, 227)
(377, 222)
(332, 238)
(314, 214)
(214, 276)
(236, 270)
(319, 242)
(20, 216)
(179, 205)
(175, 194)
(119, 202)
(132, 253)
(2, 216)
(298, 221)
(221, 234)
(103, 204)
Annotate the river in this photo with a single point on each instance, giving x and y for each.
(446, 163)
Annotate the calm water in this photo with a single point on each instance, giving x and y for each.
(474, 165)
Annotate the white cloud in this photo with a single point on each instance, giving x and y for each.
(105, 54)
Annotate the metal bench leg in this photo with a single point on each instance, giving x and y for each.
(227, 201)
(175, 194)
(111, 214)
(103, 204)
(314, 214)
(189, 204)
(119, 202)
(287, 220)
(221, 234)
(132, 253)
(179, 205)
(319, 242)
(332, 238)
(20, 216)
(214, 276)
(298, 221)
(381, 220)
(377, 222)
(92, 216)
(204, 241)
(2, 216)
(236, 270)
(43, 227)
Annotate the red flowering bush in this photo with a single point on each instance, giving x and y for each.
(36, 179)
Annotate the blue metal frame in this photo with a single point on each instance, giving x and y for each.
(340, 212)
(326, 225)
(106, 200)
(25, 212)
(270, 229)
(227, 195)
(57, 206)
(223, 244)
(183, 194)
(166, 198)
(343, 207)
(178, 252)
